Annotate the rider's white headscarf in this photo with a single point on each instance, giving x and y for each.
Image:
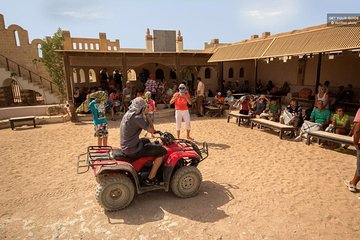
(136, 107)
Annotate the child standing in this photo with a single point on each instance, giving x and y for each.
(152, 107)
(112, 99)
(98, 108)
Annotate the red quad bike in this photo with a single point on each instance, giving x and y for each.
(119, 177)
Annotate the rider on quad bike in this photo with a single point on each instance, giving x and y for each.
(131, 126)
(120, 176)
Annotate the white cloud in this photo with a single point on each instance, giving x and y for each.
(262, 14)
(268, 13)
(83, 14)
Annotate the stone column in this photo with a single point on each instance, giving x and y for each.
(179, 42)
(149, 41)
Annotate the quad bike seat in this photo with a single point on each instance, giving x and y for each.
(117, 154)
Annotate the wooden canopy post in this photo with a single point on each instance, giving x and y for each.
(69, 87)
(255, 72)
(318, 71)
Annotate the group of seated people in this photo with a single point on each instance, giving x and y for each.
(259, 107)
(221, 102)
(320, 117)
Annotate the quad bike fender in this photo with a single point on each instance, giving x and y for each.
(167, 176)
(123, 168)
(170, 163)
(176, 156)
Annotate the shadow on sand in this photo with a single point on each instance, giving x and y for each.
(152, 206)
(219, 146)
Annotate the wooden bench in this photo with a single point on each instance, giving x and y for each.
(239, 117)
(272, 125)
(328, 136)
(213, 111)
(21, 119)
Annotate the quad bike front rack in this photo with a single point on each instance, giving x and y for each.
(188, 145)
(95, 156)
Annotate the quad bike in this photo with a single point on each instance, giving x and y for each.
(119, 176)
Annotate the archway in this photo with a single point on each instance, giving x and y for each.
(159, 74)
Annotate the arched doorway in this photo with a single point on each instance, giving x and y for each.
(15, 92)
(144, 75)
(188, 77)
(159, 74)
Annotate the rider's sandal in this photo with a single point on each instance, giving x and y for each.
(151, 182)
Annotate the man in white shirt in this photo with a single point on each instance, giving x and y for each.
(200, 96)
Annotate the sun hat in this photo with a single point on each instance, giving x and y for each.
(147, 95)
(99, 95)
(182, 88)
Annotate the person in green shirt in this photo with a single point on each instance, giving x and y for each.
(274, 109)
(319, 120)
(340, 122)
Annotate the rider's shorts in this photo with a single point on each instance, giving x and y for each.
(150, 150)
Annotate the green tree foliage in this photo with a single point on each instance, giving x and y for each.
(53, 61)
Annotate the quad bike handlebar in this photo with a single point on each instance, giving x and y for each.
(167, 139)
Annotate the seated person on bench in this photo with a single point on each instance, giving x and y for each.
(273, 111)
(292, 115)
(261, 106)
(217, 102)
(340, 122)
(252, 106)
(243, 105)
(319, 120)
(229, 100)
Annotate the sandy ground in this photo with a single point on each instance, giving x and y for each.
(255, 186)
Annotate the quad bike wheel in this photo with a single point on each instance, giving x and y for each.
(186, 182)
(115, 192)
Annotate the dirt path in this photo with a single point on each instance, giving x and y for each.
(256, 186)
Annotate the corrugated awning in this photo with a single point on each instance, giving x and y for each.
(246, 50)
(324, 39)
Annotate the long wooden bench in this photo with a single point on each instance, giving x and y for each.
(328, 136)
(272, 125)
(21, 119)
(213, 111)
(239, 117)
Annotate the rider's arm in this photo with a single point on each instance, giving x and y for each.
(151, 128)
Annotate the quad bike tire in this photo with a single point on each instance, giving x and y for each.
(186, 182)
(115, 192)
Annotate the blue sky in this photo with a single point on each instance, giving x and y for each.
(198, 20)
